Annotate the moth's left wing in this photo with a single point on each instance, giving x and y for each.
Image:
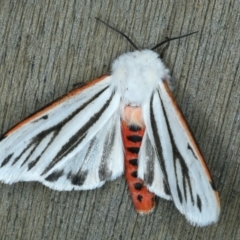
(184, 170)
(74, 143)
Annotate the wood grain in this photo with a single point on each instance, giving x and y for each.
(46, 47)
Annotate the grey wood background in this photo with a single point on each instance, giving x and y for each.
(47, 46)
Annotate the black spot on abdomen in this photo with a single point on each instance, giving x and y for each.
(138, 186)
(133, 149)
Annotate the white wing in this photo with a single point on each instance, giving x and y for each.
(149, 169)
(182, 166)
(75, 143)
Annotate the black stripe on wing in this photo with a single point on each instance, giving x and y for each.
(104, 172)
(79, 178)
(157, 141)
(178, 158)
(76, 139)
(50, 133)
(81, 175)
(149, 173)
(6, 159)
(54, 176)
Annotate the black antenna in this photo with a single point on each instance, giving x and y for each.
(170, 39)
(124, 35)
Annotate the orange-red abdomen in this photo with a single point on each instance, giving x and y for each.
(132, 132)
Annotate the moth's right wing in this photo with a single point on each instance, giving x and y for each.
(149, 169)
(74, 143)
(180, 167)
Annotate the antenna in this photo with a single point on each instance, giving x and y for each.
(170, 39)
(134, 45)
(124, 35)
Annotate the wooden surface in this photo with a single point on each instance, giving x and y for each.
(47, 47)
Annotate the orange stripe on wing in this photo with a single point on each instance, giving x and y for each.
(191, 138)
(54, 104)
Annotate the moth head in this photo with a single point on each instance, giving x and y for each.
(135, 75)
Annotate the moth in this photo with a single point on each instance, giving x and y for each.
(126, 122)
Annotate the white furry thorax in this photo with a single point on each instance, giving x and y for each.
(136, 75)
